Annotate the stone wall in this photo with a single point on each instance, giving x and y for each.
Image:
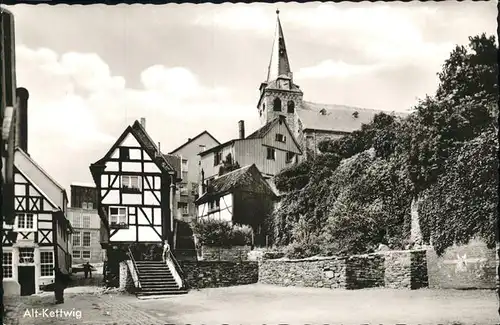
(319, 272)
(212, 274)
(392, 269)
(463, 267)
(235, 254)
(365, 271)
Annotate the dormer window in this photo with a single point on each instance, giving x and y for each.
(280, 138)
(322, 111)
(355, 114)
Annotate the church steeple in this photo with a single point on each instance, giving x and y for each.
(279, 64)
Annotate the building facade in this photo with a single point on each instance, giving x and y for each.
(37, 242)
(309, 122)
(135, 185)
(271, 148)
(242, 196)
(190, 168)
(82, 213)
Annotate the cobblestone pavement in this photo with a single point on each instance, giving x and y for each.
(263, 304)
(82, 308)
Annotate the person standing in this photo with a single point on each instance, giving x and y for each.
(87, 269)
(166, 251)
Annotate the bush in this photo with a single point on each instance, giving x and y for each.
(219, 233)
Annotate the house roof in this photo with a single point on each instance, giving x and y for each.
(50, 178)
(225, 144)
(246, 178)
(175, 162)
(137, 130)
(193, 139)
(338, 118)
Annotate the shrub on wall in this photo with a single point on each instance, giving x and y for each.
(220, 233)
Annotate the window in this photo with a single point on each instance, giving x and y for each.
(277, 105)
(289, 157)
(271, 154)
(184, 175)
(118, 217)
(90, 205)
(184, 164)
(290, 107)
(25, 221)
(47, 263)
(86, 239)
(280, 138)
(217, 158)
(214, 205)
(124, 154)
(84, 205)
(77, 255)
(183, 207)
(86, 255)
(26, 255)
(131, 183)
(77, 220)
(85, 221)
(77, 239)
(202, 147)
(7, 265)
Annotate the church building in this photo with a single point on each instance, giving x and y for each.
(310, 122)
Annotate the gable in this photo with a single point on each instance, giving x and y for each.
(39, 179)
(28, 196)
(192, 145)
(281, 130)
(136, 137)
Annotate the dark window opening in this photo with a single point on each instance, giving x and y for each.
(124, 153)
(289, 157)
(280, 138)
(271, 154)
(217, 158)
(291, 107)
(277, 105)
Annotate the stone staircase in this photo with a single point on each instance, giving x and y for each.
(156, 280)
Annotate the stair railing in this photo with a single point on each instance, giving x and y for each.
(178, 269)
(133, 269)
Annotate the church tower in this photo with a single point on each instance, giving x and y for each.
(278, 94)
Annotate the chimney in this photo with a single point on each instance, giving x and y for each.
(143, 122)
(22, 95)
(241, 125)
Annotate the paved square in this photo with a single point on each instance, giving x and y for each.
(263, 304)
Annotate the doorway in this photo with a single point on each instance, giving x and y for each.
(26, 276)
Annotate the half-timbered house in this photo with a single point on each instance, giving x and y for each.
(136, 198)
(37, 241)
(242, 197)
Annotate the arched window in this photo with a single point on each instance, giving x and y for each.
(290, 106)
(277, 105)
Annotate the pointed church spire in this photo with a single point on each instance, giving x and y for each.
(279, 64)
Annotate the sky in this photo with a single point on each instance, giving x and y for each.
(93, 70)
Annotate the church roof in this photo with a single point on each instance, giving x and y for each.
(337, 118)
(279, 64)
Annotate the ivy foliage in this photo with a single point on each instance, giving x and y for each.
(219, 233)
(358, 192)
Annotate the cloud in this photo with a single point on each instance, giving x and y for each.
(77, 105)
(335, 69)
